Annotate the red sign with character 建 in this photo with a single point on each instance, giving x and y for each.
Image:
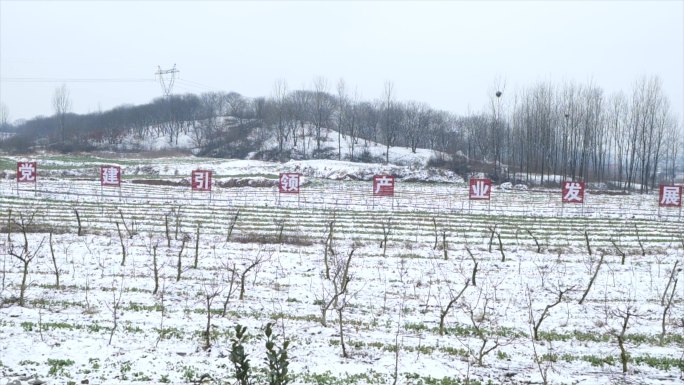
(110, 176)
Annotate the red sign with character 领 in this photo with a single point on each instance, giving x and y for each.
(201, 180)
(288, 183)
(573, 192)
(110, 176)
(383, 185)
(670, 196)
(480, 189)
(27, 172)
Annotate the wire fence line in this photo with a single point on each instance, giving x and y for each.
(354, 196)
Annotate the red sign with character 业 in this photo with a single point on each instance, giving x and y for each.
(480, 189)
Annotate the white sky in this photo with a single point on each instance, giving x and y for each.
(449, 54)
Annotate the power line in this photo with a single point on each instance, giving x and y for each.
(74, 80)
(195, 84)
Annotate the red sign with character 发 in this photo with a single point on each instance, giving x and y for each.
(573, 192)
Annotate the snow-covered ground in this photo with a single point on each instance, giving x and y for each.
(525, 247)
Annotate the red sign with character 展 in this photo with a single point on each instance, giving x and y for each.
(201, 180)
(383, 185)
(27, 172)
(670, 196)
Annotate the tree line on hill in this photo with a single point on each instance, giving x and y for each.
(628, 140)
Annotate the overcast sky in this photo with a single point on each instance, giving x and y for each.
(449, 54)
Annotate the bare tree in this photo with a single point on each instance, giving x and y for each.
(536, 324)
(23, 253)
(339, 278)
(211, 291)
(352, 115)
(251, 264)
(115, 306)
(323, 105)
(390, 124)
(237, 104)
(624, 314)
(4, 115)
(452, 299)
(61, 103)
(278, 113)
(342, 102)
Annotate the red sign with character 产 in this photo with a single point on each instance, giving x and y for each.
(201, 180)
(383, 185)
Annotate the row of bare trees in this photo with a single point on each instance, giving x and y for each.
(555, 131)
(577, 131)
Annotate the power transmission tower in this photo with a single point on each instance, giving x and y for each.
(166, 79)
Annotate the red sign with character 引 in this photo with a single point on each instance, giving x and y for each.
(201, 180)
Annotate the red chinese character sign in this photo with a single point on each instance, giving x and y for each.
(383, 185)
(27, 172)
(288, 183)
(573, 192)
(480, 189)
(670, 196)
(201, 180)
(110, 176)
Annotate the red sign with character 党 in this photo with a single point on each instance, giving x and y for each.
(27, 172)
(573, 192)
(480, 189)
(201, 180)
(383, 185)
(110, 176)
(670, 196)
(288, 183)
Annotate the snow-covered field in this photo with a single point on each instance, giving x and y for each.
(491, 272)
